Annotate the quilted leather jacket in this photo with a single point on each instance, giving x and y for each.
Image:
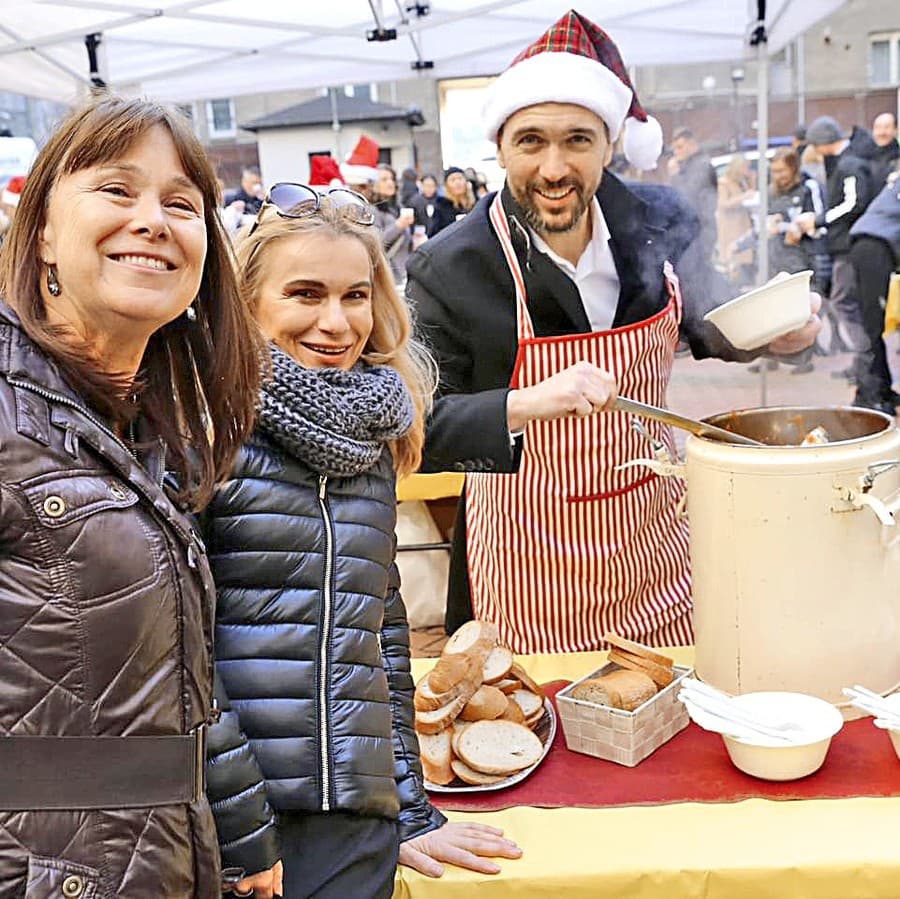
(105, 630)
(312, 648)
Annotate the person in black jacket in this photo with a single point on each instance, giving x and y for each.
(849, 190)
(315, 762)
(875, 254)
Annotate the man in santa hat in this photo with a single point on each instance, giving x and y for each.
(547, 299)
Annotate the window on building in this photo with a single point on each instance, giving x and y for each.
(220, 118)
(884, 59)
(384, 155)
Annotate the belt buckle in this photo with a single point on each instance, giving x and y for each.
(199, 785)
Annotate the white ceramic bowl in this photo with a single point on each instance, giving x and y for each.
(772, 759)
(759, 316)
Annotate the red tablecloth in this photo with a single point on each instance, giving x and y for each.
(692, 767)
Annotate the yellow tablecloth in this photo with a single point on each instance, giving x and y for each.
(430, 486)
(816, 849)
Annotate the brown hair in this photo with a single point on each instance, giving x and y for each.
(198, 381)
(789, 157)
(391, 341)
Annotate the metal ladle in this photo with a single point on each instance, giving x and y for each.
(700, 428)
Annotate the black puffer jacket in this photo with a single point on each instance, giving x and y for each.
(312, 649)
(105, 630)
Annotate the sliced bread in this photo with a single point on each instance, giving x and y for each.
(497, 664)
(426, 700)
(638, 649)
(487, 703)
(471, 776)
(530, 703)
(659, 673)
(512, 712)
(528, 682)
(498, 747)
(508, 684)
(436, 754)
(478, 637)
(435, 721)
(448, 672)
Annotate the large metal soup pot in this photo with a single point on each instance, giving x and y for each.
(795, 552)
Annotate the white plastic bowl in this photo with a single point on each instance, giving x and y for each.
(772, 759)
(759, 316)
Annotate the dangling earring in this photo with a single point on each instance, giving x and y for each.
(53, 287)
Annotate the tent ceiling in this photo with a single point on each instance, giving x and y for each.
(194, 49)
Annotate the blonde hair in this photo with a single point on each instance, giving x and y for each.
(391, 341)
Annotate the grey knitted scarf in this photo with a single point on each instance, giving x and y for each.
(336, 422)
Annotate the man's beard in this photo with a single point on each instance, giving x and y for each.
(535, 218)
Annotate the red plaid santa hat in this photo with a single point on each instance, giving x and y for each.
(13, 190)
(576, 62)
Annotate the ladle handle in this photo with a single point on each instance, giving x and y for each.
(699, 428)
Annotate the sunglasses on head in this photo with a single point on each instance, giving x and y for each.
(297, 201)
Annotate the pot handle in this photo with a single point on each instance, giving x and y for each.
(854, 498)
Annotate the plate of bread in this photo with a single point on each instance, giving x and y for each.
(482, 722)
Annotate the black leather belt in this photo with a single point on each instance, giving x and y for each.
(101, 772)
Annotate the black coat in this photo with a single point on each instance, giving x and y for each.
(311, 637)
(464, 300)
(106, 607)
(848, 192)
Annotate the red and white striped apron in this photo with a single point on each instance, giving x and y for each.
(569, 548)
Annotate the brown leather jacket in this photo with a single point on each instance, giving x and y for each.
(105, 630)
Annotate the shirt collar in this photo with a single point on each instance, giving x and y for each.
(599, 238)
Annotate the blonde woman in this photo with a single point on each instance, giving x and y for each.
(315, 762)
(735, 189)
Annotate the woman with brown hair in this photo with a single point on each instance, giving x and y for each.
(312, 645)
(124, 352)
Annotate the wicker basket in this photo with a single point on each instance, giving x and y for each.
(626, 738)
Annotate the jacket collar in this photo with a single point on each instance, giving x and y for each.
(23, 360)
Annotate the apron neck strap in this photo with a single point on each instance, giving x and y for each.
(524, 327)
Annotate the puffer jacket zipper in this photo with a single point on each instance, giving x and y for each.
(324, 639)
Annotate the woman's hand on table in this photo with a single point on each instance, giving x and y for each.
(458, 843)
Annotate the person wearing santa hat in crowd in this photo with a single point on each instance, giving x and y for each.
(9, 200)
(543, 303)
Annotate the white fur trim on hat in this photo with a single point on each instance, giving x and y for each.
(643, 142)
(557, 78)
(358, 174)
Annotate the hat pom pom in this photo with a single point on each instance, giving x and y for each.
(643, 142)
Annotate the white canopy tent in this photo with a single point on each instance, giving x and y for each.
(181, 50)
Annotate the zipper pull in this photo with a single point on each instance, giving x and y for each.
(323, 480)
(191, 557)
(71, 443)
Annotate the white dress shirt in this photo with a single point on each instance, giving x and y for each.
(595, 275)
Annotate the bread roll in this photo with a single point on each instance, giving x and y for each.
(498, 747)
(619, 690)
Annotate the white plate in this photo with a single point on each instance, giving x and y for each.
(545, 731)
